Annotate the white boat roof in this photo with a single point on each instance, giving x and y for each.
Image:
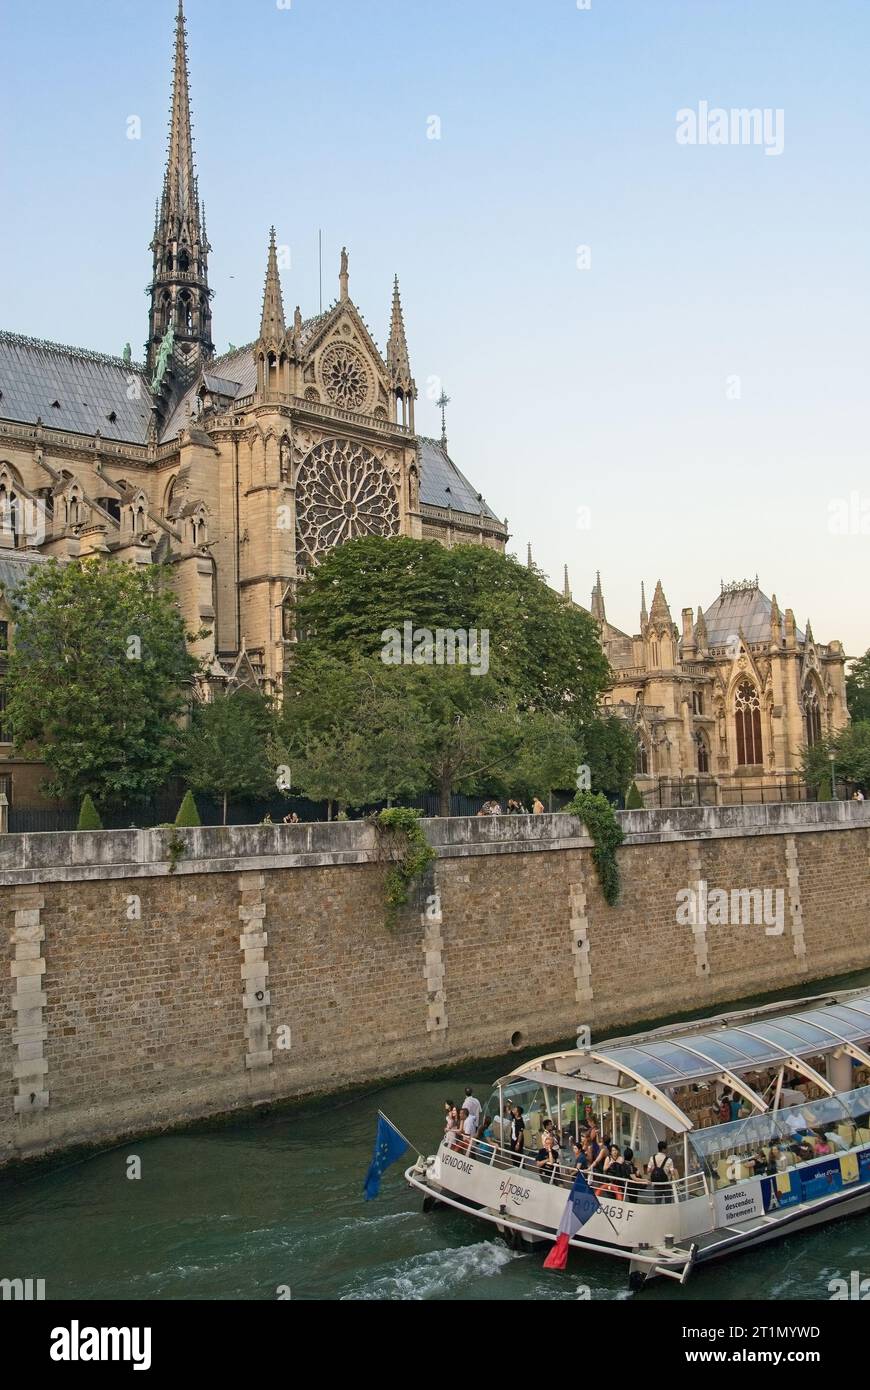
(740, 1047)
(663, 1059)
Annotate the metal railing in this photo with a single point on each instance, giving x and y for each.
(636, 1189)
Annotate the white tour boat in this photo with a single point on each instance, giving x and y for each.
(797, 1155)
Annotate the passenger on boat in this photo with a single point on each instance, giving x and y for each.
(803, 1150)
(635, 1179)
(545, 1159)
(821, 1145)
(549, 1128)
(472, 1105)
(518, 1129)
(661, 1172)
(451, 1118)
(486, 1142)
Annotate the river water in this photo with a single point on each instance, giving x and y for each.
(271, 1206)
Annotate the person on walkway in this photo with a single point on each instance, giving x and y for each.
(661, 1172)
(537, 807)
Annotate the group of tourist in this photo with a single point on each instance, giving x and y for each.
(607, 1169)
(492, 807)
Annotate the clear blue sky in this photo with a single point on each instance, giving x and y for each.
(603, 388)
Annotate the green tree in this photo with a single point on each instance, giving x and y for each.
(609, 747)
(99, 677)
(858, 689)
(852, 754)
(230, 749)
(543, 653)
(89, 816)
(187, 812)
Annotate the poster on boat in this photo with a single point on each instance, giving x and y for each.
(739, 1203)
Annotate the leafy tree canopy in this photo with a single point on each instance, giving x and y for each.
(858, 689)
(230, 747)
(543, 653)
(99, 675)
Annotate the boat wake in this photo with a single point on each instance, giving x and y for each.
(438, 1273)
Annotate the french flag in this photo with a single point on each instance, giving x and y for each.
(580, 1206)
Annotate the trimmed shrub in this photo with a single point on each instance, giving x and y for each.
(187, 812)
(89, 816)
(634, 800)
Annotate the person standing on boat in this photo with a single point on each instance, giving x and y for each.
(661, 1172)
(518, 1129)
(472, 1105)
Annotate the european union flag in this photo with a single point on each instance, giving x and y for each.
(389, 1145)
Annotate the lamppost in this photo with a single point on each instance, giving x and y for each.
(833, 776)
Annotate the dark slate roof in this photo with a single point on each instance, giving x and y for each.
(15, 566)
(442, 484)
(742, 610)
(87, 386)
(233, 374)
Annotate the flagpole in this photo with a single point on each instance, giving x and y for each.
(399, 1132)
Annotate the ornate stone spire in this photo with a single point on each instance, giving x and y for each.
(644, 616)
(597, 605)
(659, 610)
(397, 346)
(701, 637)
(809, 634)
(775, 622)
(343, 275)
(179, 289)
(272, 326)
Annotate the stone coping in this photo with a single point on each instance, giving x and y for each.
(58, 856)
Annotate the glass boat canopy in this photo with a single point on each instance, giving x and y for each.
(656, 1063)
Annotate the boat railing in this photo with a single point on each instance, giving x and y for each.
(603, 1183)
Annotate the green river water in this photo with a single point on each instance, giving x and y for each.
(274, 1202)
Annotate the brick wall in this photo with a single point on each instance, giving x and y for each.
(134, 998)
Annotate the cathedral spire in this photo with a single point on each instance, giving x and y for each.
(644, 616)
(179, 289)
(397, 346)
(272, 326)
(597, 605)
(659, 610)
(402, 383)
(179, 189)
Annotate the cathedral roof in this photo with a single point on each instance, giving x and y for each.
(70, 388)
(741, 608)
(442, 484)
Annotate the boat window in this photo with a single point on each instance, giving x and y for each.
(857, 1022)
(831, 1020)
(781, 1038)
(808, 1032)
(676, 1057)
(720, 1052)
(779, 1139)
(646, 1064)
(754, 1049)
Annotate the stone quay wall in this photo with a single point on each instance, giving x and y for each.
(146, 987)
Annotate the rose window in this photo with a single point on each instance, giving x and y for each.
(342, 491)
(344, 375)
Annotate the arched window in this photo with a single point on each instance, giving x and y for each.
(747, 719)
(703, 754)
(812, 717)
(641, 761)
